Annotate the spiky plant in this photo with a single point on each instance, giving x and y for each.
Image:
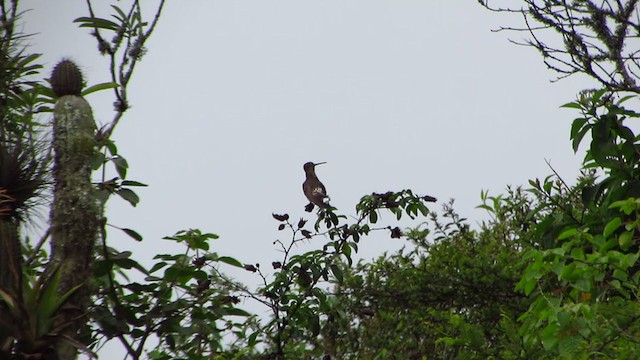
(66, 79)
(31, 324)
(23, 165)
(22, 181)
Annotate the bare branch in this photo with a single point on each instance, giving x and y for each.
(125, 50)
(595, 37)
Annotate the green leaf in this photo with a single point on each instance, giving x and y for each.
(373, 217)
(577, 126)
(121, 165)
(577, 253)
(133, 234)
(231, 261)
(171, 273)
(50, 301)
(198, 242)
(158, 266)
(99, 87)
(252, 339)
(97, 160)
(607, 245)
(572, 105)
(625, 133)
(583, 284)
(568, 345)
(625, 240)
(121, 14)
(616, 284)
(210, 236)
(550, 337)
(26, 60)
(337, 272)
(564, 317)
(112, 148)
(190, 274)
(128, 195)
(567, 233)
(569, 272)
(235, 312)
(558, 267)
(346, 250)
(612, 226)
(589, 193)
(629, 260)
(529, 286)
(47, 299)
(126, 263)
(626, 206)
(625, 99)
(577, 138)
(597, 95)
(621, 275)
(121, 255)
(315, 325)
(93, 22)
(132, 183)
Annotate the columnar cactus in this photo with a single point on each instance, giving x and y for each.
(75, 214)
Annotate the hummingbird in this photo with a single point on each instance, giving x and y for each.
(313, 189)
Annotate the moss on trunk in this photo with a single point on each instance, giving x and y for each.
(75, 213)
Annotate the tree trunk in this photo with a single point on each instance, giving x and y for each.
(10, 274)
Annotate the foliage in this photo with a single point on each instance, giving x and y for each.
(585, 287)
(33, 316)
(183, 300)
(296, 295)
(450, 297)
(194, 304)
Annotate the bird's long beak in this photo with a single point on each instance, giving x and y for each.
(320, 163)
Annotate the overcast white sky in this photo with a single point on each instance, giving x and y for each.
(234, 96)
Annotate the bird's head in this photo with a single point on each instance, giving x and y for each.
(310, 166)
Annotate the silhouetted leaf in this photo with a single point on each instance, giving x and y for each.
(230, 261)
(98, 87)
(128, 195)
(132, 183)
(134, 235)
(121, 165)
(93, 22)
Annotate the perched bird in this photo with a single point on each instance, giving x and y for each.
(313, 189)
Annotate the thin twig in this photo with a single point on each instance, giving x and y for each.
(36, 249)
